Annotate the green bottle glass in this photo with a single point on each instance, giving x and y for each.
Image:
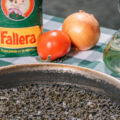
(112, 53)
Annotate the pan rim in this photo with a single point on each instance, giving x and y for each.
(65, 67)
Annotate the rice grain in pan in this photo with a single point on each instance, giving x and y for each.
(55, 102)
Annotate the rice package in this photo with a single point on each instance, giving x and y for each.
(20, 27)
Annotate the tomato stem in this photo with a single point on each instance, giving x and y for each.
(47, 60)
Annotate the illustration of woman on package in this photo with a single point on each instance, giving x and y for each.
(14, 12)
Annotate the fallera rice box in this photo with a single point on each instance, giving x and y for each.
(20, 27)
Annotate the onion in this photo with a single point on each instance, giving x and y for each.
(83, 29)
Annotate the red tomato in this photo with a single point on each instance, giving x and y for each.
(53, 43)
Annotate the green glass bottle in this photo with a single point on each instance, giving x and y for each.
(112, 53)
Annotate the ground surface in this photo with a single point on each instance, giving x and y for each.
(104, 10)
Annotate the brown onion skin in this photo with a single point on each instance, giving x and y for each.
(83, 29)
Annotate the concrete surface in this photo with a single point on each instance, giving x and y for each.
(105, 11)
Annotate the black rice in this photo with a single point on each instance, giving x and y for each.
(55, 102)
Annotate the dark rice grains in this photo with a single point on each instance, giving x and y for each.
(55, 102)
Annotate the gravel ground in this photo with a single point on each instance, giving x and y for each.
(55, 102)
(104, 10)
